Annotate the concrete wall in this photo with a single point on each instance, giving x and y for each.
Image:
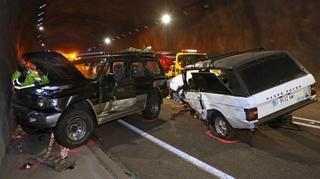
(9, 16)
(228, 25)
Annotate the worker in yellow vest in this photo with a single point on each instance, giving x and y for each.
(27, 75)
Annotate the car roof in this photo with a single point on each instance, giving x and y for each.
(239, 60)
(135, 55)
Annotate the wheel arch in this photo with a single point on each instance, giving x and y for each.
(157, 91)
(213, 112)
(84, 104)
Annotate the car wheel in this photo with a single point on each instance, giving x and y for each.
(74, 129)
(29, 129)
(153, 107)
(220, 127)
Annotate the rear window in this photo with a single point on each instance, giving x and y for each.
(270, 72)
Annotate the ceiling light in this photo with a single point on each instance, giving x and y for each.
(41, 28)
(166, 19)
(107, 41)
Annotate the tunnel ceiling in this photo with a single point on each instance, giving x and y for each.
(82, 24)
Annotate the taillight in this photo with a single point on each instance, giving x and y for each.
(313, 90)
(251, 114)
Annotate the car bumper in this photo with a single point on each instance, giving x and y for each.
(284, 112)
(39, 120)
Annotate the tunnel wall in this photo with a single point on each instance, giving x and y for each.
(291, 25)
(9, 17)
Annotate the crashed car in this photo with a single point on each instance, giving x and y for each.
(90, 91)
(245, 90)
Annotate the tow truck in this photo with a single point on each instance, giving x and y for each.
(183, 59)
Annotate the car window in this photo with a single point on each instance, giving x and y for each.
(208, 82)
(115, 70)
(138, 69)
(90, 68)
(269, 72)
(153, 68)
(118, 70)
(230, 81)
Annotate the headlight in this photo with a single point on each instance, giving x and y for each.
(53, 102)
(41, 103)
(47, 103)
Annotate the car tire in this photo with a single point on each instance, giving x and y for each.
(74, 128)
(220, 127)
(153, 107)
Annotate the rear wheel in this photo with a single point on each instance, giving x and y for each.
(220, 127)
(74, 128)
(153, 107)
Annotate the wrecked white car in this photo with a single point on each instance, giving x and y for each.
(245, 90)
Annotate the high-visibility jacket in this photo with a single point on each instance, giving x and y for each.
(31, 78)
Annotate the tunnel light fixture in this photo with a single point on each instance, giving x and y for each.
(166, 19)
(43, 45)
(39, 20)
(107, 41)
(43, 6)
(41, 28)
(41, 13)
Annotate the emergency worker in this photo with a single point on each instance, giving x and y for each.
(27, 74)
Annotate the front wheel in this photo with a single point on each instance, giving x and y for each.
(74, 129)
(220, 127)
(153, 107)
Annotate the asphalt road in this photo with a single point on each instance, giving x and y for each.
(287, 152)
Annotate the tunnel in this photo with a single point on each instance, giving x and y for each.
(211, 26)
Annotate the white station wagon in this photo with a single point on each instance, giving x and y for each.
(244, 90)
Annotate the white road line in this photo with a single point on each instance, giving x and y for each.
(185, 156)
(305, 119)
(307, 125)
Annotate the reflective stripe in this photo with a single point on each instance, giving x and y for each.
(17, 81)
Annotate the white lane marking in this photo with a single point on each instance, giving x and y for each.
(307, 125)
(305, 119)
(179, 153)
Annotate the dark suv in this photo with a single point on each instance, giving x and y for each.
(88, 92)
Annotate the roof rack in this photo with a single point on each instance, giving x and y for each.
(104, 55)
(136, 50)
(229, 54)
(90, 54)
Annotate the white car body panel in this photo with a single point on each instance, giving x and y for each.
(233, 107)
(299, 88)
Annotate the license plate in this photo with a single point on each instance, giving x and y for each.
(282, 100)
